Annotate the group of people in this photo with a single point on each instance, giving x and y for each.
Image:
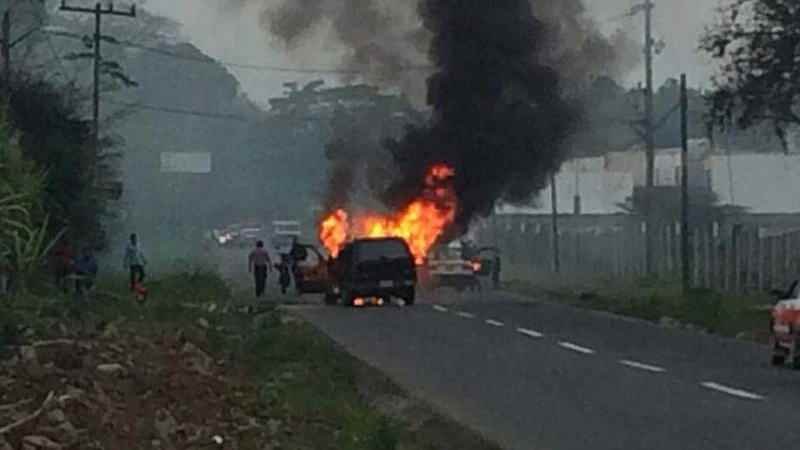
(260, 265)
(67, 265)
(83, 267)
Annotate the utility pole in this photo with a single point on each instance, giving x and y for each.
(649, 131)
(685, 263)
(7, 52)
(553, 199)
(98, 12)
(7, 44)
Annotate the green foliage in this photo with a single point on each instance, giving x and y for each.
(54, 137)
(310, 381)
(652, 298)
(28, 249)
(25, 236)
(756, 44)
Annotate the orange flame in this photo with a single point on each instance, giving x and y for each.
(420, 224)
(333, 231)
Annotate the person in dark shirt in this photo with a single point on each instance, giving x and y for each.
(259, 265)
(86, 269)
(285, 277)
(63, 260)
(496, 272)
(134, 261)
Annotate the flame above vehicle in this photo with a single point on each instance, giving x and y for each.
(421, 223)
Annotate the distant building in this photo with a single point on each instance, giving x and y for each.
(601, 192)
(667, 165)
(762, 183)
(600, 185)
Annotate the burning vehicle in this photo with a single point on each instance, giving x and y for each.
(380, 268)
(310, 271)
(496, 131)
(378, 255)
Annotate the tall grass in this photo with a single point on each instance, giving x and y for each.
(655, 298)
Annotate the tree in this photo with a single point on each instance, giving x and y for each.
(758, 45)
(667, 112)
(53, 136)
(26, 236)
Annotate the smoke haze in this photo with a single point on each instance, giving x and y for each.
(386, 43)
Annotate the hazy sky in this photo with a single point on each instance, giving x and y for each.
(239, 39)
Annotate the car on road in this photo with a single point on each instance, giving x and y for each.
(448, 266)
(785, 327)
(381, 268)
(226, 236)
(310, 270)
(248, 237)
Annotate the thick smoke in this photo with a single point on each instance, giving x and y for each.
(386, 42)
(499, 119)
(576, 47)
(496, 72)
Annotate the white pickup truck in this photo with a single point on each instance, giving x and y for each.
(446, 267)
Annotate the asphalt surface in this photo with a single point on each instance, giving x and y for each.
(537, 376)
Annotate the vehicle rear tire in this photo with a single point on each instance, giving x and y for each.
(348, 299)
(331, 299)
(410, 297)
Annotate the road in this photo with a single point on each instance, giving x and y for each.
(537, 376)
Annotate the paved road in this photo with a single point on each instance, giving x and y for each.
(537, 376)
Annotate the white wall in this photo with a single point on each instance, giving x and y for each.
(763, 183)
(601, 193)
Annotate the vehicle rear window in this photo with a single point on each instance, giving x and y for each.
(375, 250)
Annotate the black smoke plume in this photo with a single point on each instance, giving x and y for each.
(386, 42)
(359, 164)
(499, 116)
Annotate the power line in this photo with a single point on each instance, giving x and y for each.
(51, 46)
(204, 114)
(186, 112)
(259, 67)
(265, 68)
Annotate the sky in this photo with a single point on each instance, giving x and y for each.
(239, 39)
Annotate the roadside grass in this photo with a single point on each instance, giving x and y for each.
(661, 300)
(321, 397)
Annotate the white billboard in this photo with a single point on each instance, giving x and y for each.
(185, 162)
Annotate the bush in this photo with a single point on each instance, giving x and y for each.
(53, 135)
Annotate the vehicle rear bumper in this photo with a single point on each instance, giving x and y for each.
(398, 288)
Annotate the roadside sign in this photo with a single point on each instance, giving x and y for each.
(185, 162)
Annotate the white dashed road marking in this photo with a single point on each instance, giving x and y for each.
(530, 333)
(465, 315)
(638, 365)
(731, 391)
(576, 348)
(440, 308)
(495, 323)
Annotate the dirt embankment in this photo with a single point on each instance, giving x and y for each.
(194, 368)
